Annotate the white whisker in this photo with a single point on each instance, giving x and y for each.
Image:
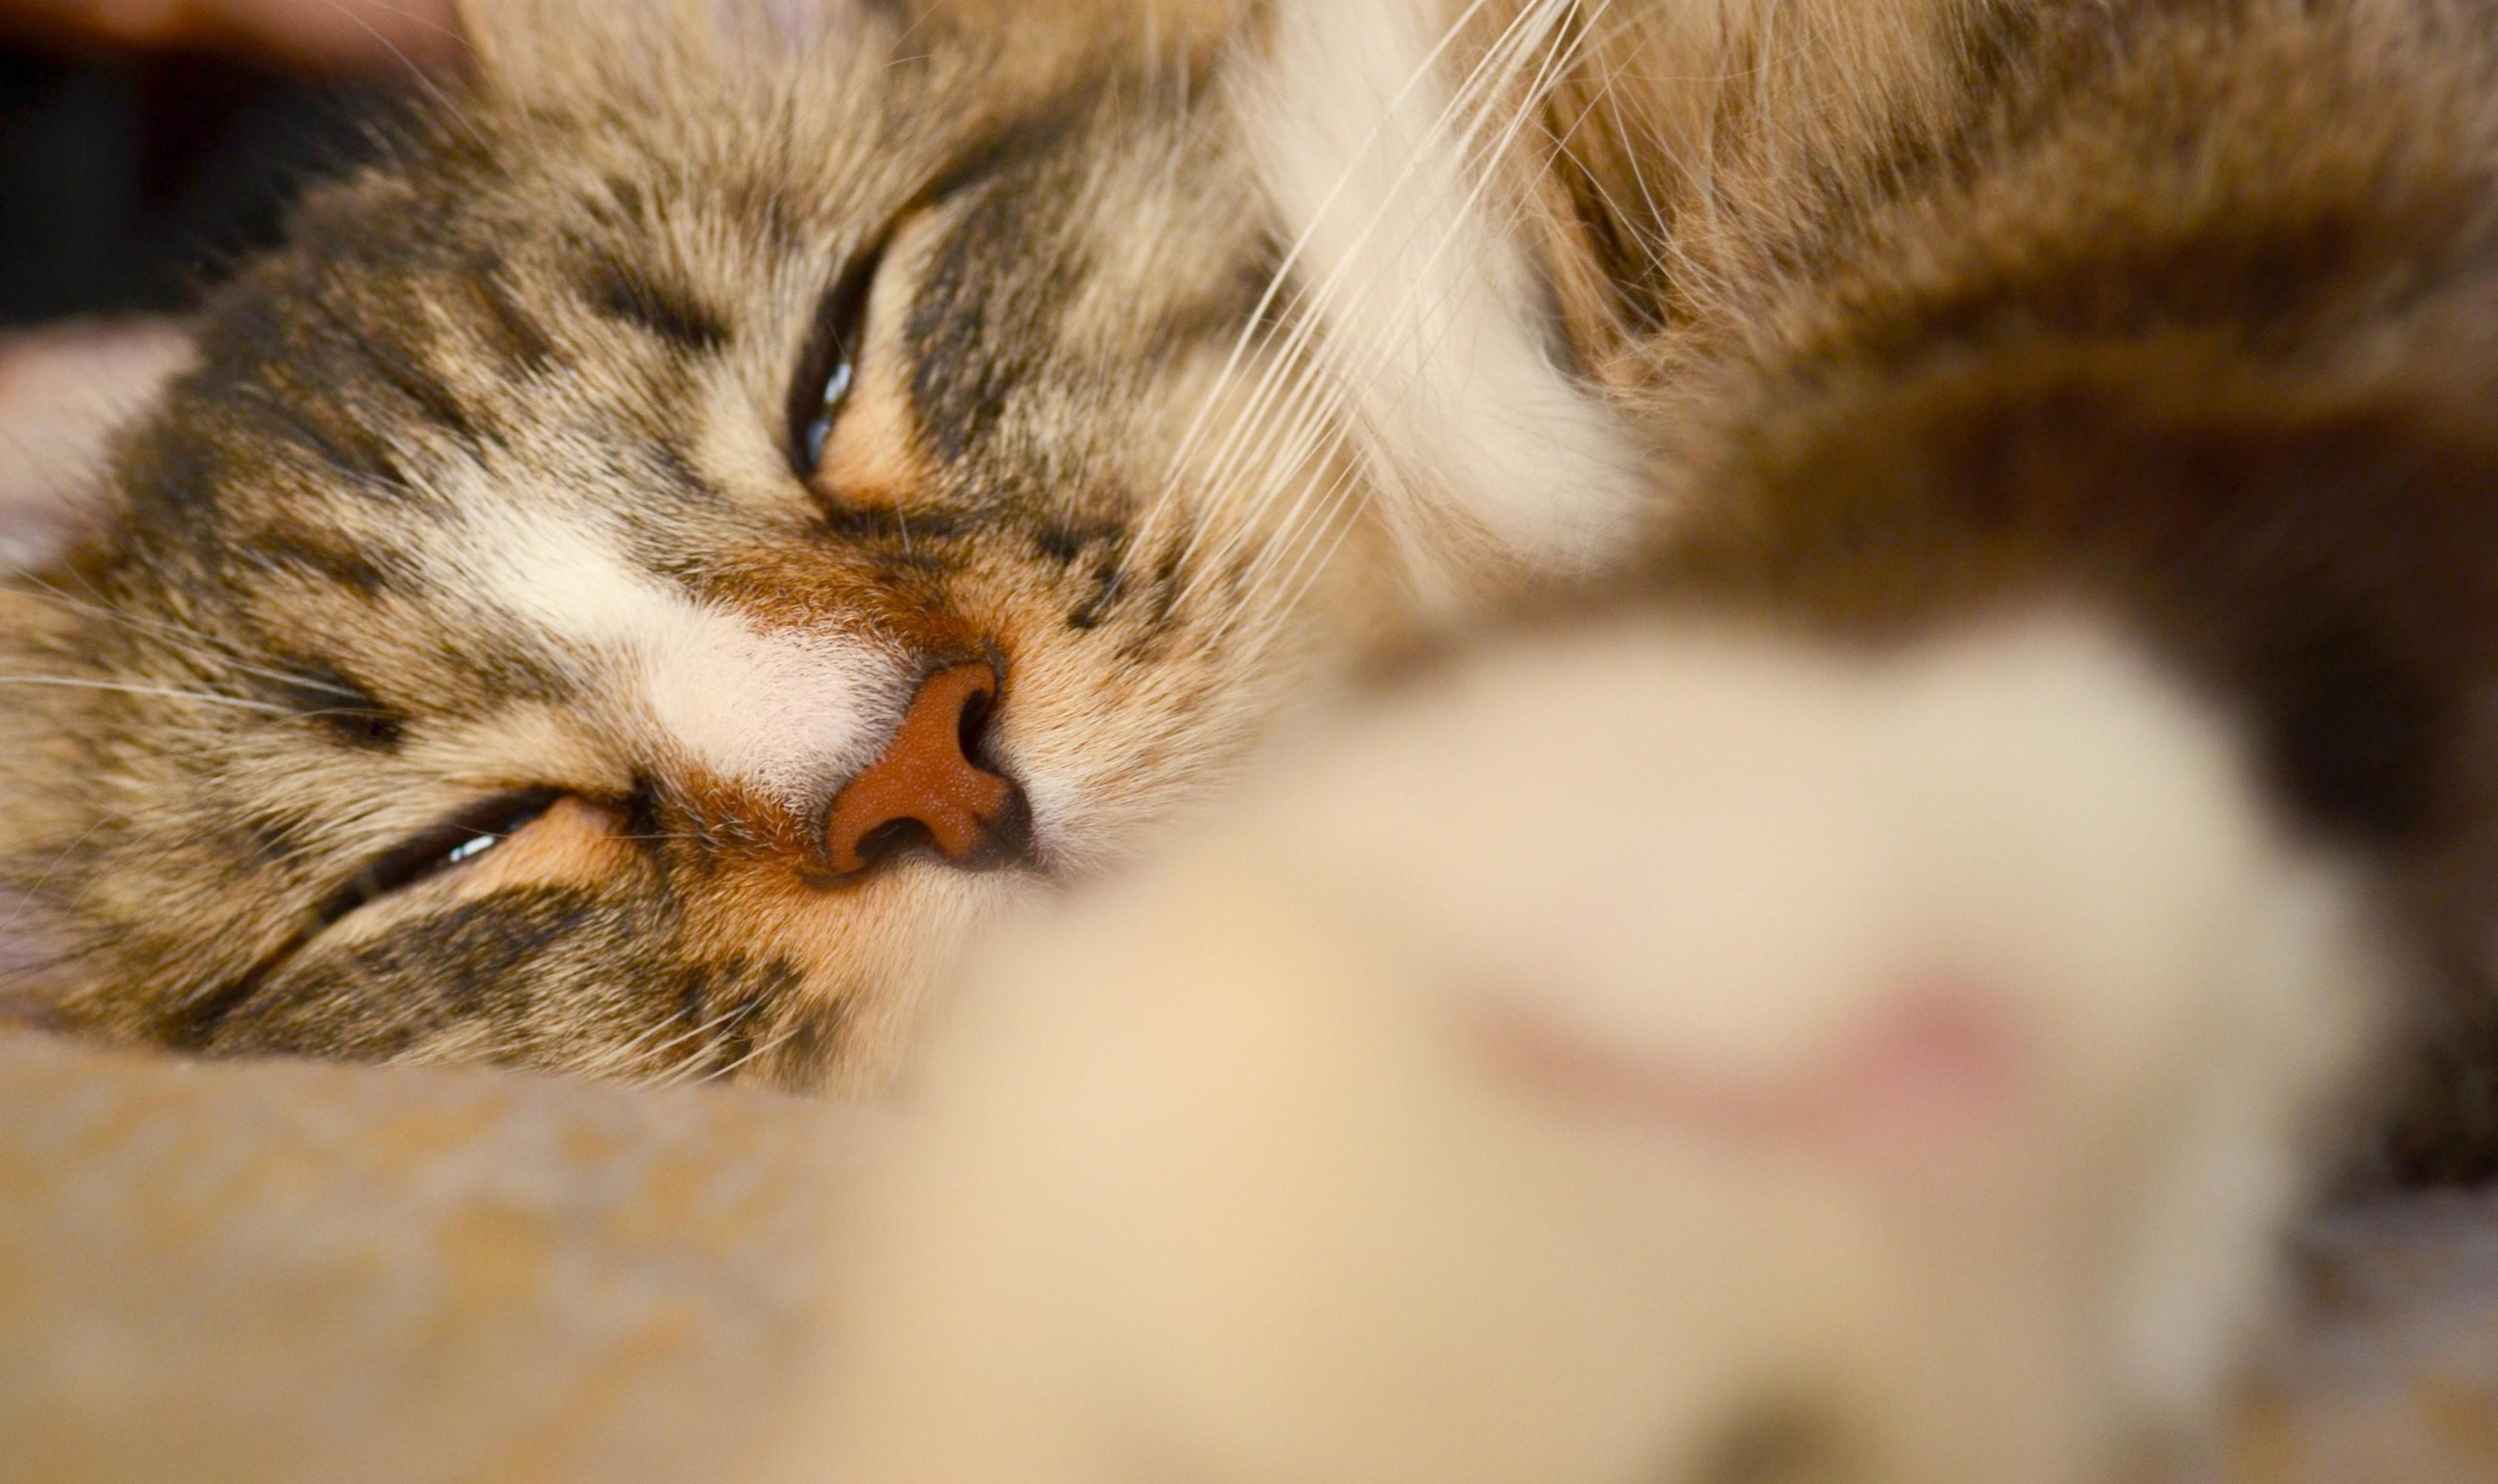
(172, 692)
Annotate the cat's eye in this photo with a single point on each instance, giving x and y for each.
(828, 371)
(465, 837)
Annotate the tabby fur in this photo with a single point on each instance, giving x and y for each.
(483, 483)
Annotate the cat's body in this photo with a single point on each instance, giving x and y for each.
(2181, 322)
(1863, 997)
(2011, 818)
(2171, 320)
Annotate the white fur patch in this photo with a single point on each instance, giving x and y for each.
(1213, 1182)
(1426, 309)
(789, 712)
(1732, 847)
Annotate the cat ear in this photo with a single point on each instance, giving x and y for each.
(530, 47)
(540, 49)
(1157, 30)
(64, 393)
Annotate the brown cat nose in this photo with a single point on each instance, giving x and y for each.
(930, 786)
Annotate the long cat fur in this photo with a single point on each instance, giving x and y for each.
(2065, 585)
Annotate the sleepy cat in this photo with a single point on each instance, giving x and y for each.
(739, 494)
(1954, 809)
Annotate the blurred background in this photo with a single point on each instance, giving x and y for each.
(145, 145)
(126, 185)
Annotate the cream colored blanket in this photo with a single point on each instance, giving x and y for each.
(308, 1272)
(284, 1272)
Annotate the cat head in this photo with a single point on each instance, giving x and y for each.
(740, 493)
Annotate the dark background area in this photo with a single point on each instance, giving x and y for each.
(129, 186)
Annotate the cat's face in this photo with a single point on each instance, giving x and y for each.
(548, 539)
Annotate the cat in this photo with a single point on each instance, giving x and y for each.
(1966, 822)
(1863, 991)
(735, 496)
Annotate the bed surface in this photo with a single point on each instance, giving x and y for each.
(281, 1272)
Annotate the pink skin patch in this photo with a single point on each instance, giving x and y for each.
(1935, 1067)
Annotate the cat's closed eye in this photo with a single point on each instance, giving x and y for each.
(828, 369)
(464, 838)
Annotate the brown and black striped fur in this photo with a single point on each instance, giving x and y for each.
(1920, 309)
(574, 299)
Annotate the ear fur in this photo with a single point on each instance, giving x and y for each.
(536, 49)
